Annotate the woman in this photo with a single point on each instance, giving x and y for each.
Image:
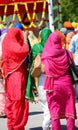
(59, 88)
(37, 49)
(14, 53)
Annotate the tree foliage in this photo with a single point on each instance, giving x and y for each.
(69, 10)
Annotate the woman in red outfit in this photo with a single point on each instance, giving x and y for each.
(14, 53)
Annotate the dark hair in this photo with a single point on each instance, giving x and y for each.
(29, 44)
(19, 25)
(0, 32)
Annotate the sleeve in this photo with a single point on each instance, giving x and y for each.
(19, 51)
(72, 46)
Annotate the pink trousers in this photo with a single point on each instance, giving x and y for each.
(57, 126)
(61, 106)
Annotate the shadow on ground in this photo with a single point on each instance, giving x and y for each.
(34, 113)
(64, 127)
(36, 128)
(40, 128)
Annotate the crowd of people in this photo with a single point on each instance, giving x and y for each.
(54, 87)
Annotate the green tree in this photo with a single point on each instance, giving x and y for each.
(69, 10)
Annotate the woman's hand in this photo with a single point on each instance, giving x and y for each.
(42, 68)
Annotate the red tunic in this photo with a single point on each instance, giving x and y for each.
(14, 53)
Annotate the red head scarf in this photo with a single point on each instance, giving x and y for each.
(14, 51)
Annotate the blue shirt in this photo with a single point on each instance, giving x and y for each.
(73, 47)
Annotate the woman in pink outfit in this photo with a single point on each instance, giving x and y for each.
(59, 88)
(14, 53)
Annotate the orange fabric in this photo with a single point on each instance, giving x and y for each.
(68, 39)
(63, 38)
(68, 25)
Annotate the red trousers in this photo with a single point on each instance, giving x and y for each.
(16, 107)
(17, 114)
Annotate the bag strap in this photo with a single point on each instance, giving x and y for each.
(70, 59)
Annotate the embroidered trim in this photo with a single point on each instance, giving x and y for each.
(14, 69)
(64, 115)
(49, 76)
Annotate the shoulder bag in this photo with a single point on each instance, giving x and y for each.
(72, 68)
(36, 69)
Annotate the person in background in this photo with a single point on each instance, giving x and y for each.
(32, 38)
(63, 38)
(68, 39)
(68, 25)
(74, 50)
(19, 25)
(68, 36)
(37, 49)
(64, 30)
(14, 53)
(60, 92)
(67, 28)
(2, 90)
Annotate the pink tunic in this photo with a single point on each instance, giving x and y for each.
(58, 83)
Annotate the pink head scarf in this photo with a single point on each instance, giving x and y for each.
(54, 57)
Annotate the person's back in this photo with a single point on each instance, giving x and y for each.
(2, 89)
(58, 84)
(37, 49)
(14, 53)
